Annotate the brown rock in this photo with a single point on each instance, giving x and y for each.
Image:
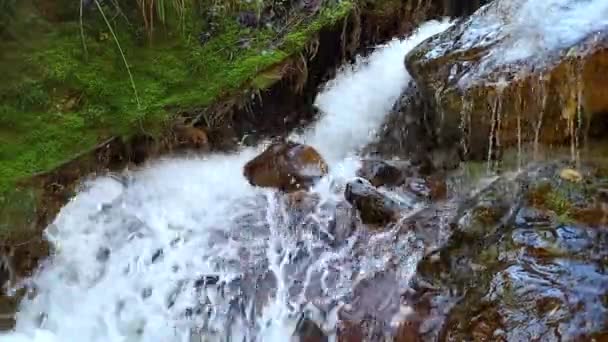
(374, 207)
(286, 166)
(498, 101)
(438, 188)
(408, 331)
(381, 173)
(350, 331)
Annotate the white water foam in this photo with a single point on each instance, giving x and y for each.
(357, 100)
(187, 250)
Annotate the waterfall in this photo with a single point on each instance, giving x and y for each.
(186, 250)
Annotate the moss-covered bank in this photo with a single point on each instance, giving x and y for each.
(68, 107)
(57, 100)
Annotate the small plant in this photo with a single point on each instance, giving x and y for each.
(159, 9)
(120, 50)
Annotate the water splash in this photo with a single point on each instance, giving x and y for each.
(186, 250)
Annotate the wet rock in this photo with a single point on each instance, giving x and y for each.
(410, 133)
(302, 201)
(342, 224)
(309, 331)
(438, 188)
(406, 133)
(380, 173)
(206, 280)
(532, 278)
(286, 166)
(419, 187)
(371, 314)
(350, 331)
(571, 175)
(489, 83)
(374, 207)
(6, 273)
(408, 331)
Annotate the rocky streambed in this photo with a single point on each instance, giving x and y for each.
(519, 256)
(336, 233)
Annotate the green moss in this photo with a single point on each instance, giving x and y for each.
(298, 38)
(556, 199)
(558, 202)
(17, 208)
(56, 103)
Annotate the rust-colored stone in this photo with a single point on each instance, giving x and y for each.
(286, 166)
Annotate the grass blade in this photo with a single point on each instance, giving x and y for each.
(124, 59)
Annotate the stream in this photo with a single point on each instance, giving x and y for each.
(186, 249)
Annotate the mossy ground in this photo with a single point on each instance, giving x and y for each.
(56, 101)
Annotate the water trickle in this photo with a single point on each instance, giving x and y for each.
(519, 108)
(542, 100)
(437, 96)
(495, 126)
(188, 251)
(491, 140)
(570, 109)
(465, 125)
(579, 110)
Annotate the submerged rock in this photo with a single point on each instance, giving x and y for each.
(516, 69)
(286, 166)
(302, 200)
(373, 206)
(511, 272)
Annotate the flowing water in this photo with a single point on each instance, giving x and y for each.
(527, 32)
(187, 250)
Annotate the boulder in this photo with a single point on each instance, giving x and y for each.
(287, 166)
(381, 173)
(374, 207)
(510, 74)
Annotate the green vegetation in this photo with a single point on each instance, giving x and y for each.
(58, 98)
(555, 198)
(558, 202)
